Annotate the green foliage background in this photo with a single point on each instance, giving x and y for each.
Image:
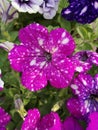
(86, 38)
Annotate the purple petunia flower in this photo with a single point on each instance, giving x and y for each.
(84, 60)
(85, 11)
(33, 122)
(93, 121)
(71, 123)
(4, 119)
(1, 82)
(85, 88)
(42, 57)
(30, 6)
(49, 8)
(7, 12)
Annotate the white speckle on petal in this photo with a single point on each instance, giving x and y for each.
(74, 86)
(83, 10)
(33, 62)
(42, 64)
(63, 34)
(86, 103)
(67, 11)
(54, 49)
(77, 92)
(40, 41)
(79, 69)
(37, 50)
(65, 41)
(96, 5)
(84, 82)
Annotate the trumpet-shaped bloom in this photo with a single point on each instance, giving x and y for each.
(4, 119)
(85, 88)
(33, 121)
(84, 60)
(7, 12)
(1, 82)
(30, 6)
(85, 11)
(43, 57)
(49, 8)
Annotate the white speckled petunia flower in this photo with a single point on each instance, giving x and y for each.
(85, 88)
(33, 121)
(30, 6)
(42, 56)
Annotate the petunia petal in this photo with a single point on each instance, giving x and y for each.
(50, 122)
(17, 57)
(34, 35)
(34, 80)
(71, 123)
(31, 120)
(61, 42)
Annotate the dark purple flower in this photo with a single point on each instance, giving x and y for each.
(93, 121)
(34, 122)
(4, 119)
(42, 57)
(84, 60)
(71, 123)
(85, 88)
(82, 11)
(1, 82)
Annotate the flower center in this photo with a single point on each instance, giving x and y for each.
(84, 57)
(48, 56)
(24, 1)
(94, 97)
(46, 1)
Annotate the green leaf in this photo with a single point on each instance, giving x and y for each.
(82, 32)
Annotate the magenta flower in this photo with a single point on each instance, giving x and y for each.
(71, 123)
(42, 57)
(85, 88)
(93, 121)
(1, 82)
(84, 60)
(4, 119)
(33, 122)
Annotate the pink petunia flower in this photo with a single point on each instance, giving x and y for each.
(33, 121)
(1, 82)
(93, 121)
(42, 56)
(71, 123)
(4, 119)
